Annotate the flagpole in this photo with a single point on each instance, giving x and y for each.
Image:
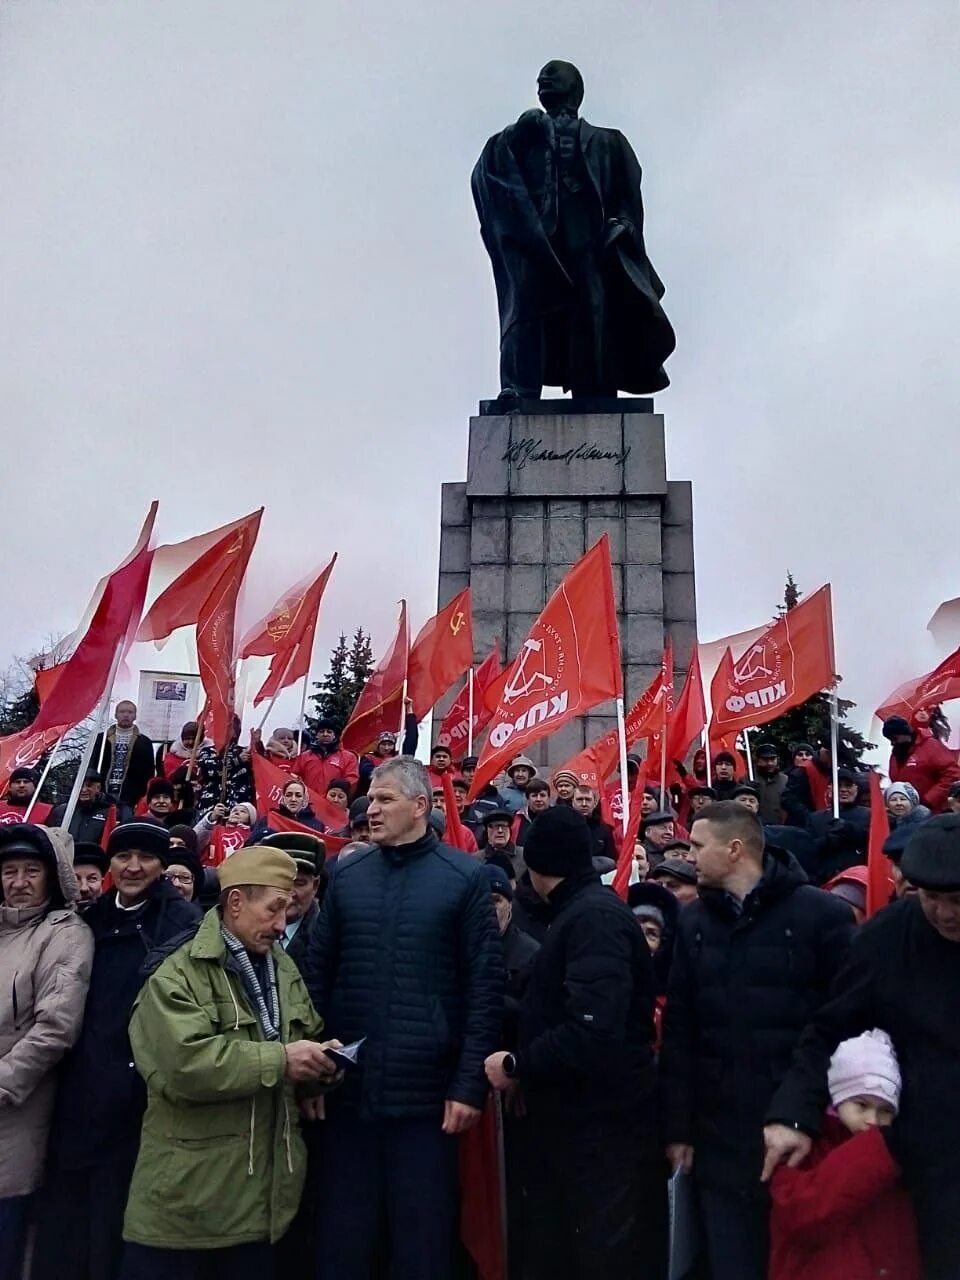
(705, 743)
(303, 704)
(293, 653)
(43, 777)
(103, 752)
(663, 753)
(749, 754)
(470, 713)
(403, 712)
(98, 727)
(835, 747)
(624, 781)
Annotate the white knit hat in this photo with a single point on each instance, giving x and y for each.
(865, 1067)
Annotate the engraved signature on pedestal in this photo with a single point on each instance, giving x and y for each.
(521, 452)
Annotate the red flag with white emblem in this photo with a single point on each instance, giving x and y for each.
(568, 664)
(455, 730)
(286, 635)
(441, 653)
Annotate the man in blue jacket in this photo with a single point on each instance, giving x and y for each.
(406, 956)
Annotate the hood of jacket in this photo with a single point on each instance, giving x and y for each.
(57, 853)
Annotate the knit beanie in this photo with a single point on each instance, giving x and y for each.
(902, 789)
(559, 843)
(865, 1066)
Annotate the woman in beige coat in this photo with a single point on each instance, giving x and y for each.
(45, 956)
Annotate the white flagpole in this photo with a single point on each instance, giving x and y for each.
(470, 713)
(705, 743)
(280, 686)
(835, 747)
(749, 754)
(663, 754)
(97, 727)
(103, 752)
(303, 704)
(403, 713)
(43, 777)
(624, 782)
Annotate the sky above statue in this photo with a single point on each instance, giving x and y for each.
(241, 265)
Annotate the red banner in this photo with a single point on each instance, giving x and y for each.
(942, 684)
(441, 653)
(879, 884)
(454, 732)
(268, 783)
(790, 662)
(569, 663)
(286, 635)
(378, 708)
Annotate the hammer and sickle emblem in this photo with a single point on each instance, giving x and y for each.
(457, 622)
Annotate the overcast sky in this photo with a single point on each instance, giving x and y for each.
(239, 265)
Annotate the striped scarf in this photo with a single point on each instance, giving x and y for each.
(269, 1016)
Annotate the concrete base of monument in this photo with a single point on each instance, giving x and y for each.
(542, 487)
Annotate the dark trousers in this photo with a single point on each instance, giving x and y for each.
(241, 1262)
(596, 1201)
(737, 1231)
(397, 1175)
(14, 1215)
(80, 1221)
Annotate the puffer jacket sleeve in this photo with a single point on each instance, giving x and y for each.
(482, 977)
(180, 1052)
(60, 979)
(678, 1055)
(320, 961)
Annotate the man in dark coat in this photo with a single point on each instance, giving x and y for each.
(561, 216)
(91, 815)
(406, 955)
(841, 842)
(596, 1182)
(752, 962)
(903, 976)
(101, 1099)
(769, 781)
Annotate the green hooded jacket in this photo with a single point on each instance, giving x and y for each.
(221, 1159)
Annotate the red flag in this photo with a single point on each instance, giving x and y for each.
(455, 833)
(481, 1225)
(626, 840)
(441, 653)
(595, 763)
(87, 673)
(196, 565)
(378, 708)
(268, 783)
(687, 722)
(879, 884)
(942, 684)
(22, 750)
(790, 662)
(333, 844)
(286, 634)
(109, 823)
(216, 628)
(569, 663)
(45, 681)
(454, 732)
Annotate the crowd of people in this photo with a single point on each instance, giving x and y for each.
(246, 1038)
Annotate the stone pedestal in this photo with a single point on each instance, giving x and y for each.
(543, 484)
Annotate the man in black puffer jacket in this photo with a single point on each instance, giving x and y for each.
(596, 1180)
(752, 963)
(407, 955)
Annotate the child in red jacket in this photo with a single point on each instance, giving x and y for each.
(844, 1213)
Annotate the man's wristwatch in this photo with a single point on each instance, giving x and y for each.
(509, 1066)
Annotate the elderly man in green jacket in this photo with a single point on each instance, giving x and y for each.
(223, 1033)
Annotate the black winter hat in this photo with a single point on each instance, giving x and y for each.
(181, 831)
(27, 840)
(897, 841)
(358, 810)
(745, 789)
(894, 725)
(559, 843)
(326, 723)
(766, 751)
(88, 854)
(931, 859)
(160, 787)
(306, 851)
(725, 757)
(702, 791)
(22, 775)
(657, 819)
(148, 838)
(677, 868)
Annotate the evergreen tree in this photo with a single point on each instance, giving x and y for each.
(360, 662)
(810, 722)
(333, 699)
